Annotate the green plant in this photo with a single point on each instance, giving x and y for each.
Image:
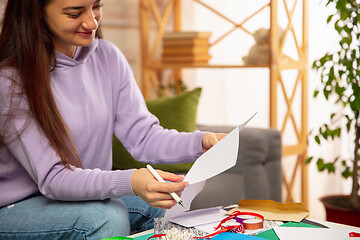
(340, 83)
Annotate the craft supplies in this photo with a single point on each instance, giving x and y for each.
(235, 214)
(237, 222)
(171, 231)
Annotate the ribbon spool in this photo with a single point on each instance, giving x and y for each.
(253, 224)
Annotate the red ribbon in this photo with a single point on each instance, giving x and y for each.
(237, 213)
(354, 234)
(156, 236)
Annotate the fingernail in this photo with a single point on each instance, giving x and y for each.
(186, 184)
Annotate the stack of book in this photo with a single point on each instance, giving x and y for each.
(186, 47)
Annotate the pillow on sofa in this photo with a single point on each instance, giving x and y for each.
(176, 112)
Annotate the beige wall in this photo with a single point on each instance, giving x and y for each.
(120, 25)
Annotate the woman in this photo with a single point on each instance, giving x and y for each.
(63, 93)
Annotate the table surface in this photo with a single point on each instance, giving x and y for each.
(326, 223)
(333, 225)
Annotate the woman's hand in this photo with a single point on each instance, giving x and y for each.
(210, 139)
(156, 193)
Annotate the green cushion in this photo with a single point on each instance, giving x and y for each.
(176, 112)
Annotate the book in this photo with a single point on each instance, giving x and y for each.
(187, 59)
(186, 35)
(195, 42)
(185, 50)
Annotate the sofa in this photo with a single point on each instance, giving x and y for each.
(256, 175)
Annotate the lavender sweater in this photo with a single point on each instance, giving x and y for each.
(97, 96)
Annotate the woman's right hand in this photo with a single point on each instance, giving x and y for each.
(156, 193)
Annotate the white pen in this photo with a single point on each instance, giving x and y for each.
(160, 179)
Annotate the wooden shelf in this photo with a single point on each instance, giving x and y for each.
(285, 64)
(160, 65)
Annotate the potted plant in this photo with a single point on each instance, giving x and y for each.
(340, 83)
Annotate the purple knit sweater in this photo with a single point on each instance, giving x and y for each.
(97, 96)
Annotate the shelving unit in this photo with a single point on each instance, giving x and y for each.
(152, 68)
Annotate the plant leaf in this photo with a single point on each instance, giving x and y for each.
(308, 160)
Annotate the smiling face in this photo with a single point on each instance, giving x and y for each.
(72, 23)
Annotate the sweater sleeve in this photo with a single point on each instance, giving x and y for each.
(35, 154)
(139, 130)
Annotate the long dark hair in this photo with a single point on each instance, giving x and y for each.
(27, 47)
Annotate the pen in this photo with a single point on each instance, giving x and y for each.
(159, 178)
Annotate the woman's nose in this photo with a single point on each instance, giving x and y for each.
(90, 22)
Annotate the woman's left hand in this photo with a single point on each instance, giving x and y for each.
(209, 139)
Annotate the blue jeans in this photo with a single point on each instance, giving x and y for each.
(42, 218)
